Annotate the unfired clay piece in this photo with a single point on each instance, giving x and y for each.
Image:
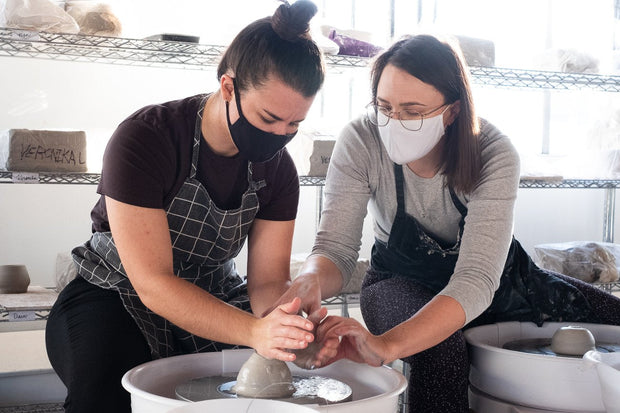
(264, 378)
(14, 279)
(572, 340)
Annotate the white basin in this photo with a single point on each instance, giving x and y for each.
(535, 380)
(608, 370)
(152, 385)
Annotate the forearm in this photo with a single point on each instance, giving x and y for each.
(264, 296)
(269, 263)
(434, 323)
(324, 272)
(197, 311)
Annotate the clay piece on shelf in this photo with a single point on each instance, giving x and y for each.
(14, 279)
(263, 378)
(32, 150)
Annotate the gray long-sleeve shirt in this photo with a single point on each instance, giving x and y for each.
(361, 177)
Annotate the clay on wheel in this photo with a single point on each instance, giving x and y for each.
(572, 340)
(260, 377)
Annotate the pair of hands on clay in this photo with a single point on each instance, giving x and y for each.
(284, 334)
(334, 337)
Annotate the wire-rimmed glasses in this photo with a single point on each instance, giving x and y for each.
(411, 120)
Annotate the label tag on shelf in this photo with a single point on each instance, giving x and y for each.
(25, 177)
(25, 35)
(22, 315)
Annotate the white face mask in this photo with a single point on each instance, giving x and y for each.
(404, 146)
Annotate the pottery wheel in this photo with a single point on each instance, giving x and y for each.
(308, 390)
(542, 346)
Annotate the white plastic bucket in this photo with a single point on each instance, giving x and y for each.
(242, 406)
(152, 385)
(538, 381)
(608, 370)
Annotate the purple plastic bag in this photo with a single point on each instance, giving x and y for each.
(353, 47)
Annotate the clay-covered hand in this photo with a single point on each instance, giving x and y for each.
(280, 330)
(308, 288)
(318, 353)
(356, 343)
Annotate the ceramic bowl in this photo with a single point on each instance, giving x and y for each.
(572, 340)
(14, 279)
(264, 378)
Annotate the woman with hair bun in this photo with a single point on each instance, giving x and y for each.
(183, 184)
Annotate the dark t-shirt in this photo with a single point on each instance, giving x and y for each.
(149, 156)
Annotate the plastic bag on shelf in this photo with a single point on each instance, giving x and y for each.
(94, 18)
(37, 15)
(585, 260)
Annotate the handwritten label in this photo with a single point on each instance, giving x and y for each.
(22, 315)
(55, 155)
(25, 177)
(25, 35)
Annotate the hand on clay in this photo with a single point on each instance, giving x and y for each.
(356, 343)
(280, 330)
(308, 288)
(318, 353)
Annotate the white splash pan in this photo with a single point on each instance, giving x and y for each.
(608, 370)
(544, 382)
(152, 384)
(242, 406)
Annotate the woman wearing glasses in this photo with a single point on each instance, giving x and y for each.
(184, 184)
(441, 186)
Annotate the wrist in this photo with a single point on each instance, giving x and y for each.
(390, 349)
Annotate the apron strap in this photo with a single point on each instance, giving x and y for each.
(197, 137)
(457, 203)
(400, 194)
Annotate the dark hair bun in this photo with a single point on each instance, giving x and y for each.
(292, 21)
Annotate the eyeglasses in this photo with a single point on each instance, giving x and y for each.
(380, 116)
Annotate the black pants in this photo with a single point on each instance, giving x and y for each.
(91, 342)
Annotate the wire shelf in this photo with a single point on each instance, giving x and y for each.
(311, 180)
(141, 52)
(519, 78)
(570, 183)
(8, 177)
(611, 287)
(115, 50)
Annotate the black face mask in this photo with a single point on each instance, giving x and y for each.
(254, 144)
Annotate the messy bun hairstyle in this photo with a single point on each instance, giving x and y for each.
(279, 45)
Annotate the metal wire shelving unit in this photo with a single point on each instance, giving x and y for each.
(194, 56)
(197, 56)
(133, 52)
(8, 177)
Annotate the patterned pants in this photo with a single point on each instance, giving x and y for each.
(439, 375)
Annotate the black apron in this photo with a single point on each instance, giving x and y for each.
(525, 293)
(205, 239)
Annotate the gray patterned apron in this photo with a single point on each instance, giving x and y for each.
(205, 239)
